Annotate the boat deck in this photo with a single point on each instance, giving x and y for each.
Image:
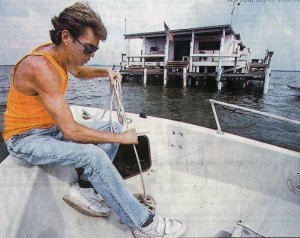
(194, 177)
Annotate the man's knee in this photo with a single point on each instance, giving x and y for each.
(97, 157)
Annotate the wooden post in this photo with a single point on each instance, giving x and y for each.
(143, 51)
(267, 80)
(192, 51)
(189, 81)
(267, 74)
(127, 53)
(235, 63)
(165, 76)
(145, 76)
(235, 59)
(166, 60)
(167, 50)
(205, 78)
(184, 76)
(219, 68)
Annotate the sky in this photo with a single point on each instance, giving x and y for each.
(262, 24)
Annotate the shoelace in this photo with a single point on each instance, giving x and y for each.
(116, 101)
(91, 197)
(162, 225)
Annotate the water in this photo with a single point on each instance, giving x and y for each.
(191, 105)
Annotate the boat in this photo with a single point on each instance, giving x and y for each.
(219, 184)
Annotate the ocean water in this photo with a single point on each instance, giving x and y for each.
(191, 105)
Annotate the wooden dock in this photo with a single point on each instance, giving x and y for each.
(150, 71)
(190, 78)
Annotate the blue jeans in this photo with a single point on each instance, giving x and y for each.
(47, 146)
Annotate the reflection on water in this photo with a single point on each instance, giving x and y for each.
(191, 105)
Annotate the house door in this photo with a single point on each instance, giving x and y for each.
(181, 48)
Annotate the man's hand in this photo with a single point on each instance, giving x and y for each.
(129, 137)
(112, 75)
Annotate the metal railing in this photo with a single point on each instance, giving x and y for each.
(219, 131)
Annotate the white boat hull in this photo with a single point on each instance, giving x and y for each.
(209, 181)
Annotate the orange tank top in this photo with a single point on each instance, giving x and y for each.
(26, 112)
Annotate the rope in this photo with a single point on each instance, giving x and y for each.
(116, 100)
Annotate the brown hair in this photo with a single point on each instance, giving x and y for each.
(75, 19)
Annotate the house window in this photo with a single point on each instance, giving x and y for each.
(209, 45)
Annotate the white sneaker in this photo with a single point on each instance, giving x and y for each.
(161, 227)
(86, 201)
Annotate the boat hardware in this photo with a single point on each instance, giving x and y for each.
(219, 130)
(86, 115)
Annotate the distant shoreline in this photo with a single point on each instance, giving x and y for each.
(281, 70)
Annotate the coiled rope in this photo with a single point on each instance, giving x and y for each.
(117, 102)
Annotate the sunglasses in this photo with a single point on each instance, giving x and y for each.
(88, 49)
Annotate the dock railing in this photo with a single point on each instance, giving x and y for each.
(219, 130)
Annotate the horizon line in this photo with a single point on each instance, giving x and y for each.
(109, 65)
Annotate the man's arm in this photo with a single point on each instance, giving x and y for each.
(88, 72)
(46, 82)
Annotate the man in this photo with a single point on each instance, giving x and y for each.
(39, 127)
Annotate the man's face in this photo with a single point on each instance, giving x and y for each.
(83, 48)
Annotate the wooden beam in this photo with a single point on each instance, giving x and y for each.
(192, 51)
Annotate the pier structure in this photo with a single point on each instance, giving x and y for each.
(195, 54)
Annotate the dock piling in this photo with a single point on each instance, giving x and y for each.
(267, 80)
(165, 76)
(145, 77)
(219, 83)
(219, 67)
(184, 76)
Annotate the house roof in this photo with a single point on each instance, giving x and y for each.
(207, 30)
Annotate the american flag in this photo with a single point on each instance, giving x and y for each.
(168, 32)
